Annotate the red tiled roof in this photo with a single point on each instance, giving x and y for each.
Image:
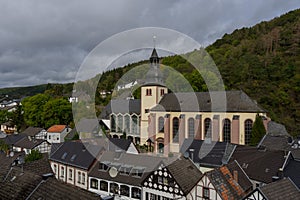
(56, 128)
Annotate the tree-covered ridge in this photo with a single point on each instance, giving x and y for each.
(264, 61)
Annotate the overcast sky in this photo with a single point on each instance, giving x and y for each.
(46, 41)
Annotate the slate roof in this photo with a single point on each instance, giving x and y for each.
(11, 139)
(259, 165)
(186, 174)
(281, 142)
(292, 171)
(281, 190)
(20, 185)
(76, 153)
(276, 129)
(121, 106)
(209, 154)
(29, 144)
(32, 131)
(87, 125)
(2, 135)
(227, 187)
(148, 163)
(110, 144)
(56, 128)
(236, 101)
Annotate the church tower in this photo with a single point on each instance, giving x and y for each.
(151, 93)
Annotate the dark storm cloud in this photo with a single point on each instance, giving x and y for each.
(46, 41)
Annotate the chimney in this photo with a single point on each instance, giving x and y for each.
(235, 176)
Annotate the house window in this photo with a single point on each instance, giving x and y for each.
(206, 193)
(55, 168)
(125, 170)
(135, 193)
(191, 131)
(83, 179)
(175, 130)
(137, 172)
(62, 171)
(165, 180)
(226, 130)
(79, 177)
(162, 92)
(49, 137)
(94, 183)
(103, 166)
(207, 128)
(248, 130)
(160, 180)
(161, 122)
(148, 92)
(70, 174)
(114, 188)
(104, 186)
(124, 190)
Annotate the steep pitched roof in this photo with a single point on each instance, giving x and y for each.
(32, 131)
(227, 186)
(281, 190)
(11, 139)
(56, 128)
(29, 144)
(259, 165)
(76, 154)
(121, 106)
(236, 101)
(30, 184)
(186, 174)
(292, 171)
(210, 154)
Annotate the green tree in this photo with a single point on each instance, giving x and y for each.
(34, 155)
(258, 131)
(33, 109)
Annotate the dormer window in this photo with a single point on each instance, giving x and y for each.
(137, 172)
(103, 166)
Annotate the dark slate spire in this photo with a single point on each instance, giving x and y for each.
(154, 75)
(154, 59)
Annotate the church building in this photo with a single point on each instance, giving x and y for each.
(165, 119)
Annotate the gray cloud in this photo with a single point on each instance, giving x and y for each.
(46, 41)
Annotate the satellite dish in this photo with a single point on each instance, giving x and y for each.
(11, 154)
(113, 172)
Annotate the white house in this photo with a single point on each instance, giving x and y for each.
(57, 133)
(27, 144)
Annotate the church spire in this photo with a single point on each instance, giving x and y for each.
(154, 59)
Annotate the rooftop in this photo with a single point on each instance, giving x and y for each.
(32, 131)
(56, 128)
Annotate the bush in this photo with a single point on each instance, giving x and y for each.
(34, 155)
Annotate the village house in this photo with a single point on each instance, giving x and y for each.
(35, 133)
(207, 155)
(27, 144)
(71, 162)
(281, 190)
(57, 133)
(228, 182)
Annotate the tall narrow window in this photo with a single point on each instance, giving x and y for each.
(248, 130)
(83, 179)
(175, 130)
(191, 131)
(79, 177)
(162, 92)
(226, 130)
(120, 123)
(127, 124)
(134, 124)
(207, 128)
(161, 122)
(70, 174)
(148, 92)
(113, 123)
